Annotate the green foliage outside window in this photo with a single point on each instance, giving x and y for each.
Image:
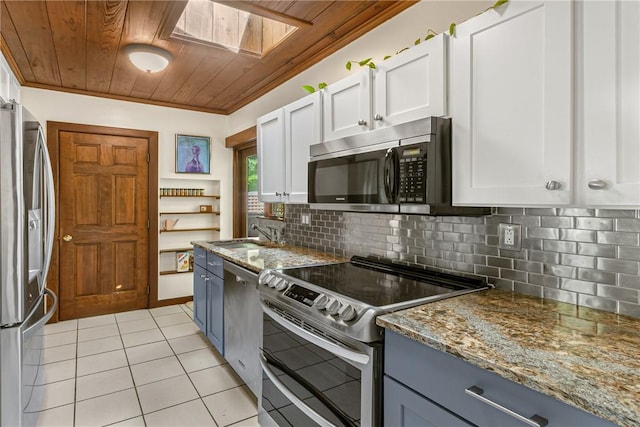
(252, 173)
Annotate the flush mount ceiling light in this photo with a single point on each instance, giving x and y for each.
(147, 57)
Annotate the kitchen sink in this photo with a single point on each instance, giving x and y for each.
(238, 244)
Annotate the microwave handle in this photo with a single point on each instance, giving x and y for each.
(391, 175)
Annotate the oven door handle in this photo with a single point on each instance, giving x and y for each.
(338, 350)
(308, 411)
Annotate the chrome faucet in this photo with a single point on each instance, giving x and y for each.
(273, 235)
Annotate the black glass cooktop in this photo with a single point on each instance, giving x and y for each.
(380, 283)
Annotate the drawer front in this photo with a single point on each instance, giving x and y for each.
(200, 257)
(444, 379)
(404, 407)
(214, 265)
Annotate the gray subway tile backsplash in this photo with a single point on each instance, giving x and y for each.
(588, 257)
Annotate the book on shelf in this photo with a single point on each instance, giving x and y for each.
(182, 261)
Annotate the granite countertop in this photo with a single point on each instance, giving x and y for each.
(269, 256)
(584, 357)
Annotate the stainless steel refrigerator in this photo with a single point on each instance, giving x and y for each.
(26, 241)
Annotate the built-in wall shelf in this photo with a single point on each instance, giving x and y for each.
(167, 272)
(164, 251)
(191, 229)
(191, 208)
(190, 213)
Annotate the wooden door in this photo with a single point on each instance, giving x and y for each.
(103, 223)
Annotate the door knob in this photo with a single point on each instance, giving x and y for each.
(67, 238)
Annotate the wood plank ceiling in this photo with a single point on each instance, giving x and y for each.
(77, 46)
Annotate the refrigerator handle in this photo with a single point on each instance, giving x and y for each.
(43, 320)
(50, 206)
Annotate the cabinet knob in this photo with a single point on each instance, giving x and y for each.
(286, 194)
(278, 194)
(362, 122)
(67, 237)
(553, 185)
(378, 118)
(597, 184)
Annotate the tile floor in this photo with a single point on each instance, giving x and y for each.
(139, 368)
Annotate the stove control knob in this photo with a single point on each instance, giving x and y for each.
(347, 312)
(282, 285)
(333, 306)
(266, 278)
(321, 301)
(275, 282)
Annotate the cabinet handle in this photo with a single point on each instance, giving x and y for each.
(362, 122)
(535, 421)
(378, 118)
(597, 184)
(202, 276)
(553, 185)
(206, 279)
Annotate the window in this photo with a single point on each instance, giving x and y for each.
(211, 23)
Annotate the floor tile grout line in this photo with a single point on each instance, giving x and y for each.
(135, 389)
(183, 310)
(190, 379)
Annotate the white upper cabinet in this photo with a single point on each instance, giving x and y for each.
(411, 85)
(406, 87)
(270, 130)
(303, 127)
(9, 85)
(609, 126)
(511, 106)
(284, 137)
(347, 106)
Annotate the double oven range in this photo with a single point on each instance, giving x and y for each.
(321, 354)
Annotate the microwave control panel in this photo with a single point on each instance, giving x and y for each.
(413, 180)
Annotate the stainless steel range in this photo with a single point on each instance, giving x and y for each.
(321, 352)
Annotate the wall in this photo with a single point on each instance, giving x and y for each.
(589, 257)
(398, 32)
(49, 105)
(64, 107)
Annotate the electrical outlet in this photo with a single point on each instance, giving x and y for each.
(305, 219)
(509, 236)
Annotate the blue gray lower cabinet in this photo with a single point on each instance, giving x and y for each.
(208, 296)
(434, 383)
(404, 407)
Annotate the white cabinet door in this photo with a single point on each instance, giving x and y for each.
(9, 86)
(610, 124)
(511, 105)
(271, 156)
(303, 127)
(411, 85)
(347, 106)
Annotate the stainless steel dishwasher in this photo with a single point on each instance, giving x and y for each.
(242, 324)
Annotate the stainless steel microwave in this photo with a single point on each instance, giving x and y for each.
(404, 168)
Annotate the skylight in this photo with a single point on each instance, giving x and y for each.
(211, 23)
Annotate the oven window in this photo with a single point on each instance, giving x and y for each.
(322, 381)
